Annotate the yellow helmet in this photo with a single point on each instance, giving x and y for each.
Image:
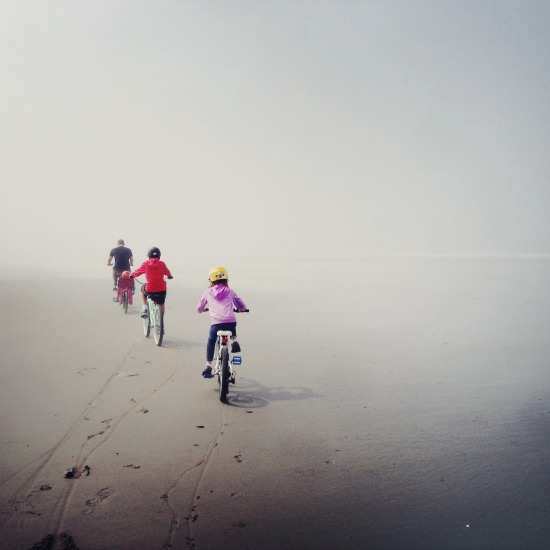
(217, 273)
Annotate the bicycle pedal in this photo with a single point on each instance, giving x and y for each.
(236, 360)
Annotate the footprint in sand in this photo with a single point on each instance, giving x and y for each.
(43, 488)
(95, 435)
(82, 372)
(107, 423)
(22, 506)
(93, 503)
(75, 473)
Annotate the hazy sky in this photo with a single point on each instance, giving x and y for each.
(280, 128)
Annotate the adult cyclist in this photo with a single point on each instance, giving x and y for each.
(155, 286)
(123, 260)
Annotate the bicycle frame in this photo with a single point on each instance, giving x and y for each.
(154, 320)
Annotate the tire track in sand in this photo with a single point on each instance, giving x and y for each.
(102, 438)
(203, 464)
(19, 501)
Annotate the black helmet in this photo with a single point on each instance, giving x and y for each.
(153, 253)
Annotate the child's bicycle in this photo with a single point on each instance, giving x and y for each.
(224, 365)
(154, 321)
(124, 300)
(125, 292)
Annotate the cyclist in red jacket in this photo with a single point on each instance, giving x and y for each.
(155, 286)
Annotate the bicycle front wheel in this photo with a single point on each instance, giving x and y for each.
(158, 329)
(125, 301)
(223, 377)
(146, 325)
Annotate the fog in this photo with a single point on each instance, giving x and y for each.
(218, 130)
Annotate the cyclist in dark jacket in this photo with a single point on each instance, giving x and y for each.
(123, 260)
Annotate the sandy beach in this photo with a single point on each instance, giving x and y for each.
(374, 177)
(411, 410)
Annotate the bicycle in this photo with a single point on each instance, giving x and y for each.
(224, 365)
(123, 299)
(125, 292)
(154, 321)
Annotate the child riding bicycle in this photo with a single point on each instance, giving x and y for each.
(219, 300)
(155, 286)
(125, 283)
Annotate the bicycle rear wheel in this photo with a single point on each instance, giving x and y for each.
(158, 329)
(223, 377)
(125, 301)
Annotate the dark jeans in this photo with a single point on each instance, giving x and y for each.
(213, 335)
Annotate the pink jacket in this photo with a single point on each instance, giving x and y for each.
(220, 300)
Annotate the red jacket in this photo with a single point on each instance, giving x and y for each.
(154, 270)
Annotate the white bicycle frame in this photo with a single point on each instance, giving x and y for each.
(153, 321)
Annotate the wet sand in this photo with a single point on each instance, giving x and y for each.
(413, 412)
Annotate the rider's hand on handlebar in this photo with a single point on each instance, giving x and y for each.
(235, 310)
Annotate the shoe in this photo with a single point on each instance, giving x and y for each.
(235, 348)
(207, 372)
(144, 314)
(115, 288)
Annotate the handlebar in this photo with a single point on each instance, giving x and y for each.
(141, 282)
(234, 309)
